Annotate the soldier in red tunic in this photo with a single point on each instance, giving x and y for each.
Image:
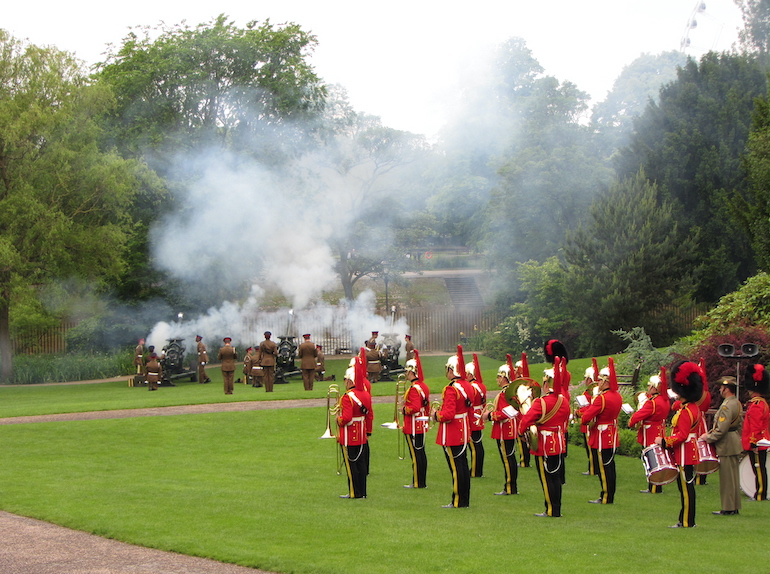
(650, 419)
(505, 430)
(478, 399)
(685, 381)
(416, 410)
(601, 416)
(355, 415)
(549, 414)
(454, 429)
(755, 425)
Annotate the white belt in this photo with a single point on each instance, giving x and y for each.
(373, 362)
(691, 436)
(547, 433)
(154, 374)
(461, 416)
(602, 427)
(357, 419)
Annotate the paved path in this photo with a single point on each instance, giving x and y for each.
(29, 546)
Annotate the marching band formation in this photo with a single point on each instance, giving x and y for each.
(532, 418)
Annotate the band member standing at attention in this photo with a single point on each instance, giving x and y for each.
(650, 419)
(268, 351)
(307, 353)
(755, 425)
(725, 435)
(601, 416)
(704, 404)
(454, 430)
(552, 350)
(354, 410)
(549, 414)
(153, 372)
(203, 359)
(227, 356)
(590, 379)
(505, 430)
(686, 382)
(479, 399)
(416, 410)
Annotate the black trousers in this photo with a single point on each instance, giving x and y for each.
(524, 452)
(759, 466)
(549, 470)
(477, 453)
(604, 466)
(686, 483)
(457, 459)
(416, 444)
(507, 449)
(355, 465)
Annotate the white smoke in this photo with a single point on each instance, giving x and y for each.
(336, 326)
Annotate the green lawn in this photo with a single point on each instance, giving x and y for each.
(260, 489)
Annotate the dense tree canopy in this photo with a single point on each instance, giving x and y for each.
(213, 85)
(690, 144)
(64, 201)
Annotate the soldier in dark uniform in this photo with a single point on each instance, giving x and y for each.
(268, 351)
(409, 347)
(228, 355)
(153, 372)
(373, 363)
(139, 357)
(203, 359)
(307, 353)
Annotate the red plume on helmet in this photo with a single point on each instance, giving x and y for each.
(595, 365)
(419, 365)
(702, 368)
(757, 380)
(555, 348)
(557, 375)
(566, 377)
(613, 375)
(686, 381)
(460, 362)
(663, 386)
(361, 371)
(477, 369)
(511, 372)
(524, 366)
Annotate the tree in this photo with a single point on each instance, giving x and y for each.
(690, 144)
(626, 265)
(639, 83)
(361, 165)
(752, 209)
(180, 88)
(755, 36)
(63, 200)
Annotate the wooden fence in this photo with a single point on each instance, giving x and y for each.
(434, 329)
(43, 341)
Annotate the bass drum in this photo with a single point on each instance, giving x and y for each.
(748, 481)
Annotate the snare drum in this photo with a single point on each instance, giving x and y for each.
(708, 458)
(658, 465)
(747, 477)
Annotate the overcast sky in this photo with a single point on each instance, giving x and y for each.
(403, 60)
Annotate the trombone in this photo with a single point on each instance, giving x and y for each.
(333, 393)
(398, 415)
